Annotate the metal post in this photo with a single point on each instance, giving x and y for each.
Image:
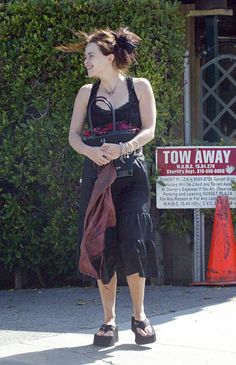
(211, 106)
(199, 236)
(187, 106)
(199, 247)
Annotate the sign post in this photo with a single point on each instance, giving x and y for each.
(199, 247)
(192, 177)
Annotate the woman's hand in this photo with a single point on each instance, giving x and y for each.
(112, 149)
(98, 155)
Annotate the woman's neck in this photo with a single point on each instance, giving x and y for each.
(110, 82)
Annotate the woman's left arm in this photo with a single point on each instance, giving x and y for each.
(147, 108)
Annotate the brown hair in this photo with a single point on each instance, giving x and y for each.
(122, 43)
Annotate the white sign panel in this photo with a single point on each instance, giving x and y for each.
(193, 177)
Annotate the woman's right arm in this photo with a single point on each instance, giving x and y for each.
(77, 121)
(76, 127)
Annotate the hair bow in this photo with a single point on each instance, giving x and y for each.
(125, 43)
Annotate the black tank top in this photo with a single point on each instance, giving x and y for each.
(128, 112)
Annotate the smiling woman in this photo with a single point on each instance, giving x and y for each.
(123, 225)
(121, 44)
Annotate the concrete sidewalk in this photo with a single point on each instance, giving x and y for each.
(204, 333)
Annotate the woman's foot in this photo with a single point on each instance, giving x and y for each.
(144, 331)
(106, 336)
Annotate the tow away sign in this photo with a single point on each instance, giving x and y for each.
(193, 177)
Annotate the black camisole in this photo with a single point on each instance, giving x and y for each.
(128, 112)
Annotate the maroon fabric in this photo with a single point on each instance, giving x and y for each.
(121, 126)
(100, 215)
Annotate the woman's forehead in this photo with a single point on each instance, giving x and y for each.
(91, 48)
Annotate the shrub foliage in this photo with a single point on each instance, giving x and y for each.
(39, 172)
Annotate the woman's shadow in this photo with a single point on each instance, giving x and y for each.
(80, 355)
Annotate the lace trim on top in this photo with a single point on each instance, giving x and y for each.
(128, 111)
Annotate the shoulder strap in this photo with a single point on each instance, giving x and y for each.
(94, 91)
(130, 83)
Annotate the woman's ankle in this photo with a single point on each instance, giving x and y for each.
(139, 316)
(110, 320)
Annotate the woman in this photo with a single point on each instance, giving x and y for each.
(108, 55)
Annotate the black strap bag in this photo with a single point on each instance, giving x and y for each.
(124, 165)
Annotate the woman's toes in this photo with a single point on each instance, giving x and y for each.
(102, 333)
(141, 332)
(147, 331)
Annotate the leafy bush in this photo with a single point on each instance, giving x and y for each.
(39, 172)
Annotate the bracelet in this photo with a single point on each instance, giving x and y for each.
(124, 150)
(121, 150)
(137, 145)
(129, 144)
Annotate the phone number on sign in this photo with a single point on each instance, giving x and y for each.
(210, 171)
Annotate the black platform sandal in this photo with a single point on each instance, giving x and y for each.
(140, 339)
(106, 341)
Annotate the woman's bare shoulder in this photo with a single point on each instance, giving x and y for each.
(84, 93)
(85, 89)
(141, 86)
(141, 82)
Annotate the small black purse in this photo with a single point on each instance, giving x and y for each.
(124, 166)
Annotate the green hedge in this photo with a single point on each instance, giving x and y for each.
(39, 172)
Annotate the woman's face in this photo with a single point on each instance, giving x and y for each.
(95, 61)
